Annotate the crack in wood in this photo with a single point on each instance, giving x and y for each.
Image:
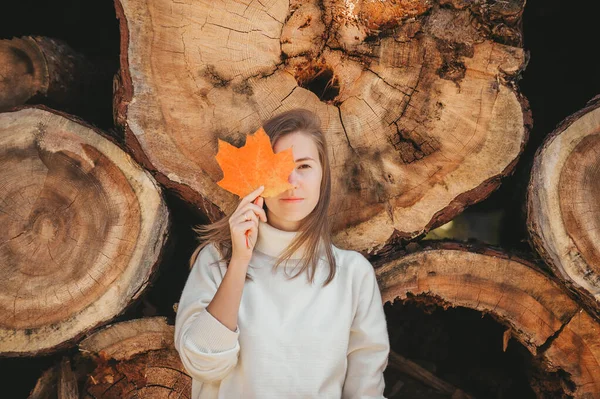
(546, 345)
(10, 239)
(414, 89)
(284, 98)
(389, 84)
(345, 132)
(405, 144)
(112, 385)
(234, 30)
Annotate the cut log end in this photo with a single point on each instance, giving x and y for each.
(22, 67)
(135, 355)
(38, 70)
(83, 228)
(563, 202)
(417, 103)
(536, 309)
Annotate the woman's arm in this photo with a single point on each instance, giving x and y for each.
(243, 225)
(225, 305)
(368, 347)
(208, 348)
(206, 330)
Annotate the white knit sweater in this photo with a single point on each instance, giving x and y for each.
(294, 339)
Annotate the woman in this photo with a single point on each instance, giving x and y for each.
(269, 334)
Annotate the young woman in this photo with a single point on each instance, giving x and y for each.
(248, 328)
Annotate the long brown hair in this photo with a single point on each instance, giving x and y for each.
(314, 229)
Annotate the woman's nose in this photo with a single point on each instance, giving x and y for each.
(293, 179)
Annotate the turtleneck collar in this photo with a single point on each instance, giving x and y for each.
(272, 241)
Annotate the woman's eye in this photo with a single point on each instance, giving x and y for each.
(302, 166)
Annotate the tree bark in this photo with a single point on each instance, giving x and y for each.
(418, 101)
(536, 308)
(83, 229)
(562, 202)
(37, 69)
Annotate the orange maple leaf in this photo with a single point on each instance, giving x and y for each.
(254, 165)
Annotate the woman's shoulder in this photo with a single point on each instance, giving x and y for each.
(209, 255)
(352, 260)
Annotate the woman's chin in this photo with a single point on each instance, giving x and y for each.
(291, 217)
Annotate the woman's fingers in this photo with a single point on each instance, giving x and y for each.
(252, 208)
(260, 202)
(244, 226)
(258, 211)
(245, 229)
(248, 215)
(251, 197)
(244, 220)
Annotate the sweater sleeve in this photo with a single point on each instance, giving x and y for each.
(368, 346)
(208, 349)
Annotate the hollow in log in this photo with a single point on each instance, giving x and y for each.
(536, 308)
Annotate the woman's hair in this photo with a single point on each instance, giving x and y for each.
(314, 228)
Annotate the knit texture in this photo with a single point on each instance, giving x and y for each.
(294, 339)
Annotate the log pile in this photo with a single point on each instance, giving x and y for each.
(423, 116)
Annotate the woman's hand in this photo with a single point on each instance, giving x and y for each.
(245, 218)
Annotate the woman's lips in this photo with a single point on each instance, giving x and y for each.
(292, 200)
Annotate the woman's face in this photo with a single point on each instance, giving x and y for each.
(286, 211)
